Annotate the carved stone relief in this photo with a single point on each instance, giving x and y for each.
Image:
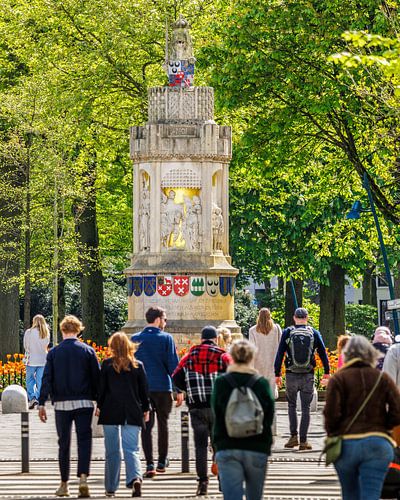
(144, 214)
(218, 227)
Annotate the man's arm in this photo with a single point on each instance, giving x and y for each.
(94, 373)
(280, 353)
(321, 351)
(47, 379)
(172, 356)
(178, 377)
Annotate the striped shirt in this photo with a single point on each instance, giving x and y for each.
(73, 405)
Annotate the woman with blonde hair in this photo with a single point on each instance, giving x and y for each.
(224, 339)
(123, 406)
(36, 340)
(266, 335)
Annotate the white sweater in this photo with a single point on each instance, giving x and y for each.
(267, 347)
(35, 347)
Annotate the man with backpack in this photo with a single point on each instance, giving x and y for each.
(195, 375)
(299, 342)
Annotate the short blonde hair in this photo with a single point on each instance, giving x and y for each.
(242, 352)
(71, 324)
(224, 338)
(359, 347)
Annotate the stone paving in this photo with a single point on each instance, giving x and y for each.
(43, 437)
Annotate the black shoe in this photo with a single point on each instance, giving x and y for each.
(137, 488)
(202, 488)
(33, 403)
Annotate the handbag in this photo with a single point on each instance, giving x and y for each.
(391, 484)
(333, 444)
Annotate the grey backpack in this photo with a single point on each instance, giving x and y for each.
(244, 415)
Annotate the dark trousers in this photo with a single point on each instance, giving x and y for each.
(161, 405)
(83, 427)
(304, 384)
(201, 420)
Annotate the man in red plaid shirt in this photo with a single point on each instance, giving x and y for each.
(195, 375)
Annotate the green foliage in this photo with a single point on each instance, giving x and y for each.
(246, 310)
(361, 319)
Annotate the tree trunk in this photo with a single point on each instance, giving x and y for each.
(92, 294)
(281, 285)
(267, 286)
(61, 305)
(289, 300)
(332, 306)
(397, 282)
(9, 321)
(368, 286)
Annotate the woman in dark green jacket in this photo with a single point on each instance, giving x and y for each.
(242, 462)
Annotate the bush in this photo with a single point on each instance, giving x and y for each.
(246, 310)
(361, 319)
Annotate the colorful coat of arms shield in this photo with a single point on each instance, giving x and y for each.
(164, 285)
(212, 285)
(226, 285)
(149, 285)
(137, 285)
(181, 285)
(197, 285)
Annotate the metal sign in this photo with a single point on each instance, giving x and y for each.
(393, 304)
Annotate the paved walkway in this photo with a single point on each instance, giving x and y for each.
(291, 474)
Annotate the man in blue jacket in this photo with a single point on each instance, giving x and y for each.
(157, 352)
(70, 378)
(299, 343)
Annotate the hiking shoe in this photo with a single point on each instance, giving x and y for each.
(110, 494)
(293, 441)
(161, 467)
(62, 490)
(202, 488)
(305, 446)
(83, 487)
(150, 472)
(137, 488)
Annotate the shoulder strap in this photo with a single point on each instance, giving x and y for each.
(364, 404)
(252, 380)
(250, 383)
(230, 379)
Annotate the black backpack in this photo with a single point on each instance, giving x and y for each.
(301, 348)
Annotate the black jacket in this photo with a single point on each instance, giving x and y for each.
(124, 396)
(71, 372)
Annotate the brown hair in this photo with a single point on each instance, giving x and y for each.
(71, 324)
(341, 342)
(242, 352)
(153, 313)
(264, 321)
(40, 323)
(122, 352)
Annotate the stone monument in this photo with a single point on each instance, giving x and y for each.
(180, 158)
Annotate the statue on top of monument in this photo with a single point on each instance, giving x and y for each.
(179, 63)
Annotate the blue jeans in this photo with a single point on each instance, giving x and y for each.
(362, 467)
(130, 447)
(241, 471)
(34, 376)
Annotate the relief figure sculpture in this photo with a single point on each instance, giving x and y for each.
(218, 227)
(192, 223)
(171, 220)
(144, 218)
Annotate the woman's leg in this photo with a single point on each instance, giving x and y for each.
(231, 474)
(347, 468)
(30, 382)
(113, 457)
(378, 453)
(130, 447)
(38, 380)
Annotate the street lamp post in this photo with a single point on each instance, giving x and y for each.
(355, 214)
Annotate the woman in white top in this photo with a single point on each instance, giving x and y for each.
(266, 335)
(36, 340)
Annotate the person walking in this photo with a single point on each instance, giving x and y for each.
(299, 343)
(266, 336)
(367, 448)
(382, 342)
(157, 352)
(123, 407)
(36, 341)
(70, 378)
(242, 462)
(224, 339)
(195, 375)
